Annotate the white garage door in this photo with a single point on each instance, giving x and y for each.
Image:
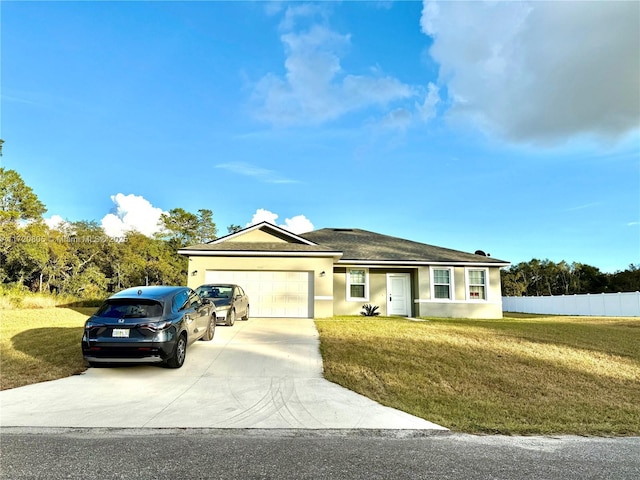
(271, 294)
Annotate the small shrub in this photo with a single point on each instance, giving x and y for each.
(370, 310)
(7, 302)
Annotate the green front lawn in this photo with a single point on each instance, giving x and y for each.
(539, 375)
(42, 344)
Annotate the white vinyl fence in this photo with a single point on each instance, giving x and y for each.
(599, 304)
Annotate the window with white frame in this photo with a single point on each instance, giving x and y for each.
(441, 283)
(477, 284)
(358, 284)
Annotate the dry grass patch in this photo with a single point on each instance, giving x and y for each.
(541, 375)
(40, 345)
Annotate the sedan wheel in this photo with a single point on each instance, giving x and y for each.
(179, 353)
(211, 330)
(231, 318)
(246, 316)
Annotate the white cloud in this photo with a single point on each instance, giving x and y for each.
(131, 213)
(427, 109)
(297, 12)
(539, 71)
(262, 174)
(263, 215)
(315, 89)
(55, 222)
(298, 224)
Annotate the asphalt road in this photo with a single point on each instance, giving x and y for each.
(305, 454)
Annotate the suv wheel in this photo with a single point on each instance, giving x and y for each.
(179, 353)
(211, 329)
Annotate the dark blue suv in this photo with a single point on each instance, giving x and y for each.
(148, 324)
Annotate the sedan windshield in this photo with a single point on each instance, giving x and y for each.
(215, 292)
(127, 308)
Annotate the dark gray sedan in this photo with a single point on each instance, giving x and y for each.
(148, 324)
(230, 300)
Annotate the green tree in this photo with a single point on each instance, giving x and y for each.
(233, 228)
(184, 228)
(589, 279)
(27, 256)
(207, 229)
(80, 258)
(147, 261)
(22, 233)
(514, 283)
(544, 277)
(17, 200)
(626, 281)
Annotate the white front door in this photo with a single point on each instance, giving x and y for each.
(399, 294)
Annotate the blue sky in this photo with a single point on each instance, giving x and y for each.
(511, 127)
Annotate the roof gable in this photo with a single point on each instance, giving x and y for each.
(262, 239)
(263, 232)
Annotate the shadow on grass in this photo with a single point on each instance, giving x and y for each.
(40, 355)
(56, 346)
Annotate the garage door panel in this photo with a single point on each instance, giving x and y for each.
(271, 293)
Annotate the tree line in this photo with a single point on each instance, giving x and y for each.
(79, 259)
(544, 277)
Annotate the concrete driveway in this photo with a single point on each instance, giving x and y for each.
(264, 373)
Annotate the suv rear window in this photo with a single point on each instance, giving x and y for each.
(125, 308)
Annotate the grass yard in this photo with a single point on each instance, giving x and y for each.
(523, 374)
(520, 375)
(37, 345)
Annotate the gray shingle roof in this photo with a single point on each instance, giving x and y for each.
(351, 244)
(362, 245)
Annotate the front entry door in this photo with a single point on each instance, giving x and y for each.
(399, 294)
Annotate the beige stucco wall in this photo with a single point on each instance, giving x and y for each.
(322, 290)
(256, 236)
(329, 291)
(459, 307)
(377, 291)
(460, 310)
(422, 304)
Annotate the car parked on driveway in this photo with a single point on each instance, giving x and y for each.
(148, 324)
(230, 300)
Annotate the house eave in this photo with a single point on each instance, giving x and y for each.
(337, 260)
(414, 263)
(255, 253)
